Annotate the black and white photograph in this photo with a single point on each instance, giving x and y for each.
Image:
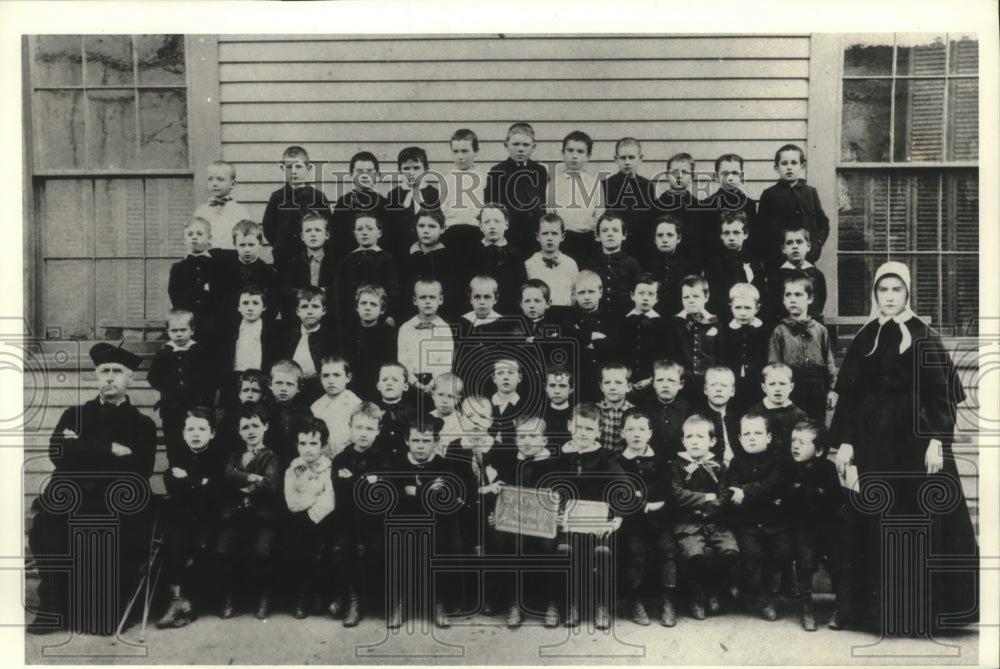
(438, 334)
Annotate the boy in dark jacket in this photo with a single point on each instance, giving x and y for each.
(791, 203)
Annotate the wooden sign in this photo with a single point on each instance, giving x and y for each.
(527, 511)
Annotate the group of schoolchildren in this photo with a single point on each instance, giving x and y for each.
(381, 352)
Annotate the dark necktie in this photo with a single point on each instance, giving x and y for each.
(220, 201)
(551, 263)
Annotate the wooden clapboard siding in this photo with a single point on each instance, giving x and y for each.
(337, 95)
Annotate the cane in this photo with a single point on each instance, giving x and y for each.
(154, 549)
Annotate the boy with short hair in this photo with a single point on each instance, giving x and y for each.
(359, 533)
(668, 264)
(183, 373)
(463, 192)
(420, 469)
(287, 409)
(557, 269)
(631, 196)
(309, 497)
(243, 267)
(520, 185)
(249, 513)
(506, 403)
(405, 201)
(575, 195)
(426, 347)
(594, 329)
(336, 405)
(743, 345)
(815, 504)
(757, 477)
(804, 345)
(559, 387)
(720, 385)
(704, 539)
(497, 258)
(192, 284)
(194, 485)
(695, 334)
(617, 269)
(368, 341)
(222, 211)
(777, 405)
(614, 387)
(730, 198)
(313, 265)
(678, 200)
(396, 411)
(666, 408)
(791, 203)
(646, 532)
(539, 320)
(308, 343)
(429, 258)
(368, 263)
(732, 264)
(361, 199)
(590, 468)
(283, 216)
(643, 334)
(795, 246)
(446, 392)
(248, 386)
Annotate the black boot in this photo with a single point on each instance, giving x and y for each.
(353, 616)
(178, 613)
(669, 617)
(808, 619)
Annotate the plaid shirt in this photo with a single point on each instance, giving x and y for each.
(611, 424)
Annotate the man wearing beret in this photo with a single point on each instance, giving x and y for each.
(89, 534)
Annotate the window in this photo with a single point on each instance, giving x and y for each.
(908, 176)
(112, 179)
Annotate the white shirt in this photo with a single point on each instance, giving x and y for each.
(559, 278)
(222, 218)
(336, 413)
(576, 197)
(451, 429)
(425, 351)
(462, 194)
(303, 356)
(502, 404)
(248, 346)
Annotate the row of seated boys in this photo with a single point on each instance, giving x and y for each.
(762, 473)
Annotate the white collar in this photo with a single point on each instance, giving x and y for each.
(472, 318)
(255, 325)
(645, 454)
(200, 254)
(900, 318)
(571, 447)
(542, 455)
(376, 247)
(755, 323)
(805, 265)
(707, 458)
(187, 347)
(497, 400)
(500, 244)
(415, 248)
(437, 321)
(635, 312)
(707, 316)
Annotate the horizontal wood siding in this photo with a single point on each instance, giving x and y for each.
(339, 95)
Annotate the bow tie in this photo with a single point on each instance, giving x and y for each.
(220, 201)
(799, 327)
(695, 318)
(643, 318)
(424, 325)
(551, 263)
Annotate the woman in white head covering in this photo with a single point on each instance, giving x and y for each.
(895, 421)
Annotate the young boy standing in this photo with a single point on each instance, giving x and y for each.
(791, 203)
(667, 264)
(732, 264)
(426, 347)
(368, 263)
(337, 405)
(429, 258)
(520, 185)
(310, 342)
(643, 334)
(368, 342)
(575, 195)
(795, 246)
(446, 392)
(222, 211)
(631, 196)
(666, 409)
(757, 476)
(557, 269)
(730, 198)
(777, 405)
(695, 334)
(614, 388)
(595, 331)
(559, 387)
(743, 345)
(287, 409)
(396, 411)
(677, 200)
(463, 191)
(499, 259)
(361, 199)
(405, 201)
(646, 532)
(309, 497)
(617, 269)
(192, 285)
(243, 267)
(804, 345)
(505, 403)
(283, 216)
(314, 265)
(720, 385)
(183, 373)
(704, 539)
